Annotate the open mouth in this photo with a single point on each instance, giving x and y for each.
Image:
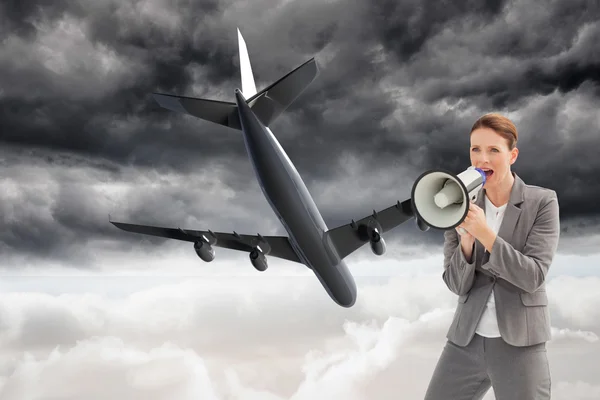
(488, 173)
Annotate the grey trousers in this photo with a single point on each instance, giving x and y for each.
(467, 373)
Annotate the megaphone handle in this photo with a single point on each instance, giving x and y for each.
(473, 200)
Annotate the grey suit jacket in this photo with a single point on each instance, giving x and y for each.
(516, 269)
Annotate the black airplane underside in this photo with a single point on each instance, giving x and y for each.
(281, 184)
(290, 200)
(310, 242)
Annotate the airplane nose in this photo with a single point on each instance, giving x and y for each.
(339, 283)
(347, 301)
(345, 295)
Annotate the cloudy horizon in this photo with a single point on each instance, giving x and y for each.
(399, 86)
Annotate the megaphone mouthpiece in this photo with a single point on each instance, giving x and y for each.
(472, 177)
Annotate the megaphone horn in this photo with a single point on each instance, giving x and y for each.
(441, 199)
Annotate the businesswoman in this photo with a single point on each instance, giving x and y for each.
(498, 270)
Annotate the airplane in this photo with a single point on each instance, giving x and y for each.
(310, 241)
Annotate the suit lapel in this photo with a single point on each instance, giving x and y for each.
(511, 215)
(513, 210)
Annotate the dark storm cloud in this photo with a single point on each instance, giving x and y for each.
(405, 26)
(509, 84)
(18, 16)
(400, 85)
(79, 110)
(54, 207)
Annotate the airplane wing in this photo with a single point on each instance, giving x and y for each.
(279, 245)
(350, 237)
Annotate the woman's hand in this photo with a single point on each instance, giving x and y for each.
(475, 222)
(466, 242)
(464, 234)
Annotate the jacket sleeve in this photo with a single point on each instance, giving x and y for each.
(528, 269)
(459, 274)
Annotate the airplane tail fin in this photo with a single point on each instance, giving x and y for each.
(248, 84)
(267, 104)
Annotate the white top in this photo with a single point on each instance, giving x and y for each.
(488, 324)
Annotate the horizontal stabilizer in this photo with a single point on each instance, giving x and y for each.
(219, 112)
(270, 102)
(267, 105)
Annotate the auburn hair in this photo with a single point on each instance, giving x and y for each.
(501, 125)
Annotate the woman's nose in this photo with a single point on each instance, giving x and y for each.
(483, 156)
(480, 159)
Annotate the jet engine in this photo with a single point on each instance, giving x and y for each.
(371, 232)
(204, 250)
(421, 224)
(377, 243)
(258, 259)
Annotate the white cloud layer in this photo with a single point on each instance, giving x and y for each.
(270, 336)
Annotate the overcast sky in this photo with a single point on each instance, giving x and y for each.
(400, 83)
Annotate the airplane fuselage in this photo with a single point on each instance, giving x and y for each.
(292, 203)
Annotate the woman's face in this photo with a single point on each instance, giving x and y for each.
(490, 152)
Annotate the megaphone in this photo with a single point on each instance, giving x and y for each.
(441, 199)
